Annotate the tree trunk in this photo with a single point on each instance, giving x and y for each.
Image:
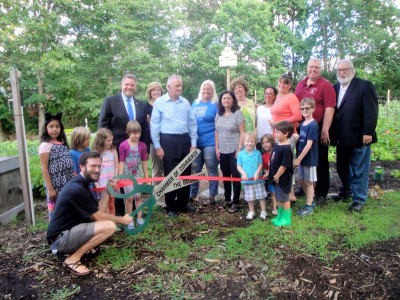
(41, 105)
(325, 41)
(2, 135)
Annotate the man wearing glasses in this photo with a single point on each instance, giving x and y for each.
(353, 131)
(316, 87)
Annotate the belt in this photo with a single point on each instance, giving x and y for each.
(176, 134)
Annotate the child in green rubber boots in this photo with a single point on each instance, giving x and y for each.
(281, 172)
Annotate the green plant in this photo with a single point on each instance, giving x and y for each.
(395, 174)
(64, 293)
(118, 257)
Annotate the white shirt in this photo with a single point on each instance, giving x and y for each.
(263, 115)
(342, 92)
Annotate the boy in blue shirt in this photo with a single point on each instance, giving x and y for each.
(249, 165)
(307, 150)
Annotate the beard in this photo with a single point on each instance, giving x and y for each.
(345, 80)
(91, 177)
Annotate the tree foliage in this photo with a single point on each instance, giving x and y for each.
(73, 53)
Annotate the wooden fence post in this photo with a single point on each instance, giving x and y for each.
(22, 150)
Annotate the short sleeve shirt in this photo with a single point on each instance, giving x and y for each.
(228, 131)
(322, 92)
(250, 163)
(282, 156)
(266, 157)
(75, 205)
(308, 132)
(205, 113)
(75, 155)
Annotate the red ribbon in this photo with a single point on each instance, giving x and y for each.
(126, 182)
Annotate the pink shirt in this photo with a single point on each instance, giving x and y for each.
(286, 108)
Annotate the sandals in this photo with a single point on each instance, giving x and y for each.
(72, 267)
(233, 209)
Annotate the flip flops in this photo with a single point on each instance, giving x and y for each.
(72, 267)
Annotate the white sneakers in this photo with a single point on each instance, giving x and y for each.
(250, 215)
(263, 215)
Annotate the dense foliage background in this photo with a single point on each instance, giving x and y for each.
(73, 53)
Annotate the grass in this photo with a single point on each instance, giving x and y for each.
(182, 249)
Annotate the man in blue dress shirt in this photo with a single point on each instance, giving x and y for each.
(174, 133)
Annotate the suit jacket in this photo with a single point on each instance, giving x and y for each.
(357, 114)
(113, 115)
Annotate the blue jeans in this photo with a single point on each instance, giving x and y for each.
(208, 157)
(356, 161)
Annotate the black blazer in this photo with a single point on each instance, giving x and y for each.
(357, 114)
(113, 115)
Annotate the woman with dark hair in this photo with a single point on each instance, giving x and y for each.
(229, 131)
(263, 114)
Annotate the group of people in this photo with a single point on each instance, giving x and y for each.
(246, 140)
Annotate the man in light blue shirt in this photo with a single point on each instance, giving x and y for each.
(174, 133)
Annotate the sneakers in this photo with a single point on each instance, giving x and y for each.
(306, 210)
(263, 215)
(274, 212)
(140, 221)
(131, 226)
(250, 215)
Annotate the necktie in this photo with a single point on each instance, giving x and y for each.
(130, 110)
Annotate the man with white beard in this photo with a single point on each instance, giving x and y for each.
(353, 131)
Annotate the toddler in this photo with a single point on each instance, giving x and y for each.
(249, 165)
(267, 142)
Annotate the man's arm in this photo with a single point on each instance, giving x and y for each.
(370, 112)
(327, 122)
(104, 116)
(100, 216)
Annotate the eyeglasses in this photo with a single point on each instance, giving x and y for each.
(305, 108)
(343, 70)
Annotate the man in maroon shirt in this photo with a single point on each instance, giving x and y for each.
(316, 87)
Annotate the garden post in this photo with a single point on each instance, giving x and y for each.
(22, 150)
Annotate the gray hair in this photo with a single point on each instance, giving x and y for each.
(214, 98)
(347, 61)
(128, 75)
(314, 59)
(172, 77)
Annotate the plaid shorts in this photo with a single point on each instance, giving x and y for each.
(254, 191)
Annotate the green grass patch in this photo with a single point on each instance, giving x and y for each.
(117, 257)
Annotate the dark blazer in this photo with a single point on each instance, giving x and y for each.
(113, 115)
(357, 114)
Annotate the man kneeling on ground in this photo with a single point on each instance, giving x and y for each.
(77, 225)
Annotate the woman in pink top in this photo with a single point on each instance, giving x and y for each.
(286, 106)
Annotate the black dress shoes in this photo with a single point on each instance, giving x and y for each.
(357, 207)
(340, 197)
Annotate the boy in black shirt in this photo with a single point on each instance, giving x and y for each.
(281, 172)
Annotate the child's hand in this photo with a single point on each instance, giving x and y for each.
(244, 177)
(276, 179)
(255, 176)
(296, 163)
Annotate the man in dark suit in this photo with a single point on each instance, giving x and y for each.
(353, 131)
(117, 111)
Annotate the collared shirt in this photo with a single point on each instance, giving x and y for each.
(342, 92)
(321, 91)
(126, 104)
(172, 117)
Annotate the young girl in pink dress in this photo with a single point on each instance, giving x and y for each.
(103, 145)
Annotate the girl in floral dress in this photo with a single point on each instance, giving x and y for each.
(55, 160)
